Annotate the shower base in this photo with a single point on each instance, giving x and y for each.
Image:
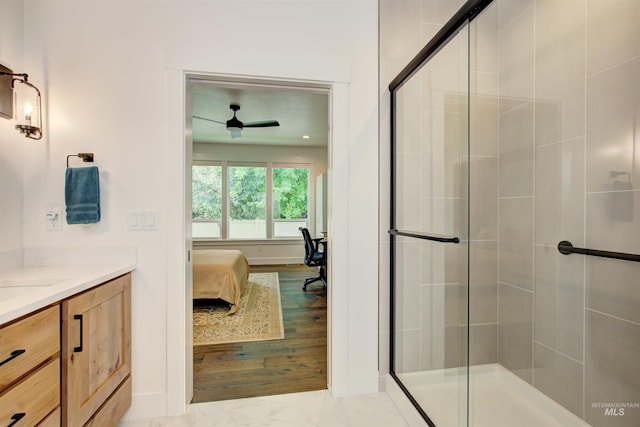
(498, 398)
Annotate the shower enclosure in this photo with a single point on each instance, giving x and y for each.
(515, 217)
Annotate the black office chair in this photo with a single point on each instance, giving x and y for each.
(315, 255)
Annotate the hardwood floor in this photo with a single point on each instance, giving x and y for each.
(296, 363)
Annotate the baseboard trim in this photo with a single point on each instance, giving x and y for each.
(382, 383)
(148, 405)
(274, 261)
(356, 384)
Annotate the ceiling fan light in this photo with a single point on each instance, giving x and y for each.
(233, 123)
(235, 132)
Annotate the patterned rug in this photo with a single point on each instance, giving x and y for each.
(259, 315)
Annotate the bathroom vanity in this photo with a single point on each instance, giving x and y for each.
(65, 345)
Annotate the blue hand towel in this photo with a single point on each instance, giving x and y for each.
(82, 195)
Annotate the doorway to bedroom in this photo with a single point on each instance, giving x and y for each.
(257, 177)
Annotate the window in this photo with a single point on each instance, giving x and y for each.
(207, 201)
(290, 200)
(249, 201)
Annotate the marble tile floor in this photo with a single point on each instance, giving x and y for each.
(315, 408)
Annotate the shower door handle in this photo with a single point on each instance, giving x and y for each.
(424, 236)
(566, 248)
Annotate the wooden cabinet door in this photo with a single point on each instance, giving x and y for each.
(96, 348)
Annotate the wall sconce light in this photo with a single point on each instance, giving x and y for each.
(21, 101)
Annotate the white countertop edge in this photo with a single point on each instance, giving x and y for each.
(15, 308)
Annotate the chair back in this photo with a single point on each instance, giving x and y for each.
(309, 249)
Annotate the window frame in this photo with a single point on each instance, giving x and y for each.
(224, 221)
(289, 165)
(226, 200)
(223, 196)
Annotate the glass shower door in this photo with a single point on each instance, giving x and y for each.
(429, 229)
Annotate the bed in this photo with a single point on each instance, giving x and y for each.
(219, 273)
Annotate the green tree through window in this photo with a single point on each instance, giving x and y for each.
(245, 201)
(247, 192)
(290, 192)
(207, 192)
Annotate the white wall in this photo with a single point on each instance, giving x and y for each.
(113, 80)
(11, 142)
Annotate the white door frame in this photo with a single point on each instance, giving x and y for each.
(179, 327)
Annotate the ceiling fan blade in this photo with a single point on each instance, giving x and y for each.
(209, 120)
(262, 124)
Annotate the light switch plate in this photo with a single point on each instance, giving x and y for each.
(142, 220)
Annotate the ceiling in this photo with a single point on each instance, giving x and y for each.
(300, 111)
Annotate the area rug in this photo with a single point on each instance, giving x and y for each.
(258, 318)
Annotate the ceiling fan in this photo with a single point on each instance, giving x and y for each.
(235, 126)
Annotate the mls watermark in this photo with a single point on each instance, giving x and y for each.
(615, 409)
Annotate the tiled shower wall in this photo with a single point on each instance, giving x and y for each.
(568, 123)
(555, 92)
(483, 188)
(428, 338)
(432, 109)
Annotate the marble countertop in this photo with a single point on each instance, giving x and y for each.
(27, 289)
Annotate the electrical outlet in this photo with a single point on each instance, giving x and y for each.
(54, 220)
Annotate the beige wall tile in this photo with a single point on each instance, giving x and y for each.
(454, 357)
(515, 330)
(515, 245)
(408, 115)
(440, 216)
(439, 263)
(516, 152)
(408, 192)
(484, 117)
(511, 9)
(517, 61)
(439, 11)
(560, 82)
(612, 33)
(613, 124)
(484, 36)
(435, 308)
(407, 295)
(555, 18)
(612, 287)
(401, 27)
(559, 301)
(611, 374)
(613, 221)
(483, 343)
(559, 193)
(483, 284)
(559, 377)
(440, 172)
(407, 350)
(484, 198)
(445, 75)
(429, 31)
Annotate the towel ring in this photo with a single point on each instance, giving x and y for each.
(86, 157)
